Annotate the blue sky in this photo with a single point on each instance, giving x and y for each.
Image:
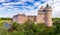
(8, 8)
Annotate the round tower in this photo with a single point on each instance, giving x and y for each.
(48, 15)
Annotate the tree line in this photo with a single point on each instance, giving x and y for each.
(5, 18)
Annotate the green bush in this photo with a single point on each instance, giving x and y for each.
(30, 28)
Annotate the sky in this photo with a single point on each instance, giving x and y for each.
(9, 8)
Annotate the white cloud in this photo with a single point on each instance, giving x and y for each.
(55, 7)
(2, 0)
(12, 3)
(37, 4)
(43, 0)
(27, 0)
(32, 12)
(10, 10)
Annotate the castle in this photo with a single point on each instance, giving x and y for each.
(44, 16)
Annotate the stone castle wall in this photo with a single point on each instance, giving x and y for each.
(40, 17)
(44, 16)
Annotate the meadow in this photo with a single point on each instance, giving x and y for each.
(8, 20)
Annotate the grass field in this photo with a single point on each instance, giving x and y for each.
(2, 21)
(55, 19)
(8, 20)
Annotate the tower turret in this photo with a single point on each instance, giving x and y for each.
(48, 15)
(41, 10)
(41, 15)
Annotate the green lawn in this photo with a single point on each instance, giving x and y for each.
(1, 21)
(55, 19)
(8, 20)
